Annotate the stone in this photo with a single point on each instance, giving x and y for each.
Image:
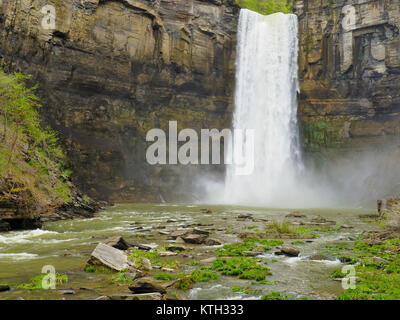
(4, 226)
(379, 260)
(105, 255)
(178, 233)
(103, 298)
(318, 257)
(149, 285)
(194, 238)
(201, 232)
(252, 253)
(140, 296)
(212, 242)
(243, 217)
(117, 242)
(295, 214)
(4, 287)
(288, 251)
(179, 240)
(67, 291)
(167, 253)
(174, 248)
(208, 260)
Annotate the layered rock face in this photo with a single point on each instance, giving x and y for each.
(110, 70)
(350, 73)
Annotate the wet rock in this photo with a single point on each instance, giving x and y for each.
(103, 298)
(117, 242)
(295, 214)
(195, 238)
(212, 242)
(105, 255)
(67, 291)
(4, 287)
(252, 253)
(4, 226)
(140, 296)
(179, 240)
(289, 251)
(149, 285)
(176, 248)
(318, 257)
(379, 260)
(172, 296)
(243, 217)
(345, 259)
(178, 233)
(167, 253)
(208, 260)
(163, 233)
(201, 232)
(319, 219)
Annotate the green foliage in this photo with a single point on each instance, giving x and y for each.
(30, 159)
(90, 269)
(203, 276)
(36, 282)
(275, 296)
(249, 244)
(244, 268)
(378, 271)
(163, 276)
(267, 6)
(121, 277)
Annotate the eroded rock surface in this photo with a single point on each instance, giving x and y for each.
(109, 71)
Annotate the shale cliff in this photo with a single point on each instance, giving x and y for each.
(110, 70)
(350, 73)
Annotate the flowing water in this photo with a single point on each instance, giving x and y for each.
(67, 245)
(266, 102)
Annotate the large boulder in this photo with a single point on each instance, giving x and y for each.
(288, 251)
(105, 255)
(117, 242)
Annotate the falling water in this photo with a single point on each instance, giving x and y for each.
(266, 102)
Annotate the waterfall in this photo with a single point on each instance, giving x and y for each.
(266, 102)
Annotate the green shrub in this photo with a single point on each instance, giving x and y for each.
(267, 6)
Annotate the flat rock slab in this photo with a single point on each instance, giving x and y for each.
(140, 296)
(149, 285)
(110, 257)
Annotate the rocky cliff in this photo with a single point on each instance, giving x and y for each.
(350, 73)
(110, 70)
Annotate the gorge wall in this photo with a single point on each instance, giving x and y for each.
(113, 69)
(350, 73)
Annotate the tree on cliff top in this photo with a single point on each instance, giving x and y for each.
(30, 160)
(267, 6)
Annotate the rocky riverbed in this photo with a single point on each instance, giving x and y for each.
(164, 251)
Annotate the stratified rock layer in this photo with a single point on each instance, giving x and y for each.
(112, 70)
(350, 73)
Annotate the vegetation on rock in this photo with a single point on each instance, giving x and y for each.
(267, 6)
(31, 162)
